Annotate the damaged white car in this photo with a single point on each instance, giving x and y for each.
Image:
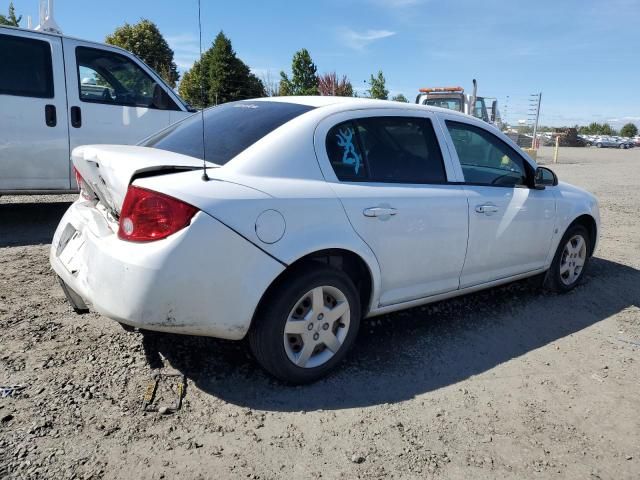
(312, 213)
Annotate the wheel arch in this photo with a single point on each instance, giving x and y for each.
(588, 222)
(353, 264)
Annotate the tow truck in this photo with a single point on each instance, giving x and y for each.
(454, 98)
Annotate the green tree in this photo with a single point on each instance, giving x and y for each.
(304, 80)
(192, 88)
(595, 128)
(400, 98)
(607, 130)
(145, 40)
(11, 19)
(629, 130)
(221, 77)
(377, 87)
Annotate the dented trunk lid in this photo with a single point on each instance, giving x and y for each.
(109, 169)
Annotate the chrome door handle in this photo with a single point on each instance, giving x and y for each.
(487, 209)
(379, 211)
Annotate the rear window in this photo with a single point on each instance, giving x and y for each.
(228, 129)
(26, 67)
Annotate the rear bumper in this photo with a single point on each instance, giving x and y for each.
(203, 280)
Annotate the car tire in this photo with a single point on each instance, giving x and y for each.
(570, 260)
(599, 145)
(291, 322)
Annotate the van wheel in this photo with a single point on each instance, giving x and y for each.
(307, 325)
(570, 260)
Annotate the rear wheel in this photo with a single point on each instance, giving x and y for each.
(570, 260)
(306, 325)
(599, 145)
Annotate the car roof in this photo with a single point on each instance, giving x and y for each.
(353, 103)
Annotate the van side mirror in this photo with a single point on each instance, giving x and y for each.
(545, 178)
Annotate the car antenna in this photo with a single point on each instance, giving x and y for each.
(205, 177)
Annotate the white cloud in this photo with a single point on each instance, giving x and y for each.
(185, 48)
(359, 40)
(623, 120)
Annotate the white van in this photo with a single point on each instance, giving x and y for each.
(58, 92)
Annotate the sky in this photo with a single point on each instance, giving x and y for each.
(584, 56)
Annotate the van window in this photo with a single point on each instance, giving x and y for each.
(26, 67)
(386, 150)
(113, 79)
(228, 129)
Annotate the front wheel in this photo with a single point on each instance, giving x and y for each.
(306, 325)
(570, 260)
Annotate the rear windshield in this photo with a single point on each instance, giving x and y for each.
(228, 129)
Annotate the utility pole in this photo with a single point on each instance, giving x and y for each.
(534, 97)
(506, 112)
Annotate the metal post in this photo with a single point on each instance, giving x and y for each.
(535, 127)
(555, 152)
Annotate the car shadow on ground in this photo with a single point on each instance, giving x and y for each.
(401, 355)
(23, 224)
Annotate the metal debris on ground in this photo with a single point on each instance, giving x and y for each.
(10, 390)
(149, 403)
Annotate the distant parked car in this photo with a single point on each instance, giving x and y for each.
(606, 142)
(628, 142)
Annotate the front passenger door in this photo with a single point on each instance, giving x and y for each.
(113, 99)
(510, 224)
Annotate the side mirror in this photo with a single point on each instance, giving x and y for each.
(545, 178)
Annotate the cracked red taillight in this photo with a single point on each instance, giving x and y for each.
(147, 215)
(85, 191)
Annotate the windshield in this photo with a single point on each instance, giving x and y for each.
(449, 103)
(480, 110)
(228, 129)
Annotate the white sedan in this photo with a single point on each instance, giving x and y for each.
(290, 219)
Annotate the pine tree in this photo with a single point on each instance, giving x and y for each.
(221, 76)
(377, 87)
(11, 19)
(304, 80)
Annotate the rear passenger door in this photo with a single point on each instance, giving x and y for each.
(34, 143)
(392, 178)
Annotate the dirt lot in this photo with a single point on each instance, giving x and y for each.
(509, 383)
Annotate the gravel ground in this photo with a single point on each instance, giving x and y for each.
(507, 383)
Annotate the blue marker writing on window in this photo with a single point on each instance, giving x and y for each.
(349, 154)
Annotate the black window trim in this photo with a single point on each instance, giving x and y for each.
(172, 108)
(431, 121)
(525, 162)
(51, 91)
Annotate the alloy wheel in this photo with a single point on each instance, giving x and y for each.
(573, 259)
(316, 327)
